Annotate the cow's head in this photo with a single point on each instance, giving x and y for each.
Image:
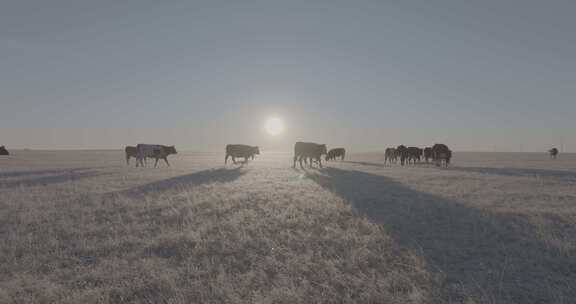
(256, 150)
(171, 150)
(323, 149)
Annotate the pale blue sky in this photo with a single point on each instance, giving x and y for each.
(477, 75)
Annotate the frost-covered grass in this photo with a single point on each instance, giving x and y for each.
(81, 227)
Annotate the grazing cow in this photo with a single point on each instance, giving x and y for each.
(402, 152)
(414, 154)
(3, 151)
(334, 153)
(553, 153)
(441, 154)
(303, 150)
(131, 151)
(154, 151)
(427, 153)
(240, 151)
(390, 155)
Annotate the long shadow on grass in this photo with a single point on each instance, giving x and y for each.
(222, 175)
(65, 176)
(558, 174)
(495, 258)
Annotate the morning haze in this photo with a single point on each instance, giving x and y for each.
(287, 152)
(485, 76)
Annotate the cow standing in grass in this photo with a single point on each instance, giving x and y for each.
(553, 153)
(3, 151)
(441, 155)
(240, 151)
(154, 151)
(390, 155)
(304, 150)
(427, 154)
(335, 153)
(402, 153)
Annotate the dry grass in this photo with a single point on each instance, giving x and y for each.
(83, 228)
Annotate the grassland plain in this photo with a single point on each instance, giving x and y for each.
(82, 227)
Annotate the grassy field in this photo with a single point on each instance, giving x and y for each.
(82, 227)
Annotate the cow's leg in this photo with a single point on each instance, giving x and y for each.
(301, 163)
(294, 165)
(156, 163)
(320, 161)
(233, 159)
(166, 160)
(127, 159)
(226, 158)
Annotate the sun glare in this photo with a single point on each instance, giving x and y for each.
(274, 126)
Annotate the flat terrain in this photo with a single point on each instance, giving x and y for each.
(82, 227)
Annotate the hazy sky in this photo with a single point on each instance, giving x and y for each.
(477, 75)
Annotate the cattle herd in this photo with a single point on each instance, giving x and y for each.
(439, 154)
(304, 153)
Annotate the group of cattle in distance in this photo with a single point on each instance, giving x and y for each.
(141, 152)
(439, 154)
(303, 152)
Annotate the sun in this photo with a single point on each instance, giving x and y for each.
(274, 126)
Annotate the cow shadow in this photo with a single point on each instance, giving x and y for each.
(222, 175)
(492, 257)
(521, 172)
(64, 176)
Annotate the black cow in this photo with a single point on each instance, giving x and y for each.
(3, 151)
(427, 153)
(303, 150)
(402, 153)
(241, 151)
(131, 151)
(414, 154)
(334, 153)
(441, 155)
(390, 155)
(553, 153)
